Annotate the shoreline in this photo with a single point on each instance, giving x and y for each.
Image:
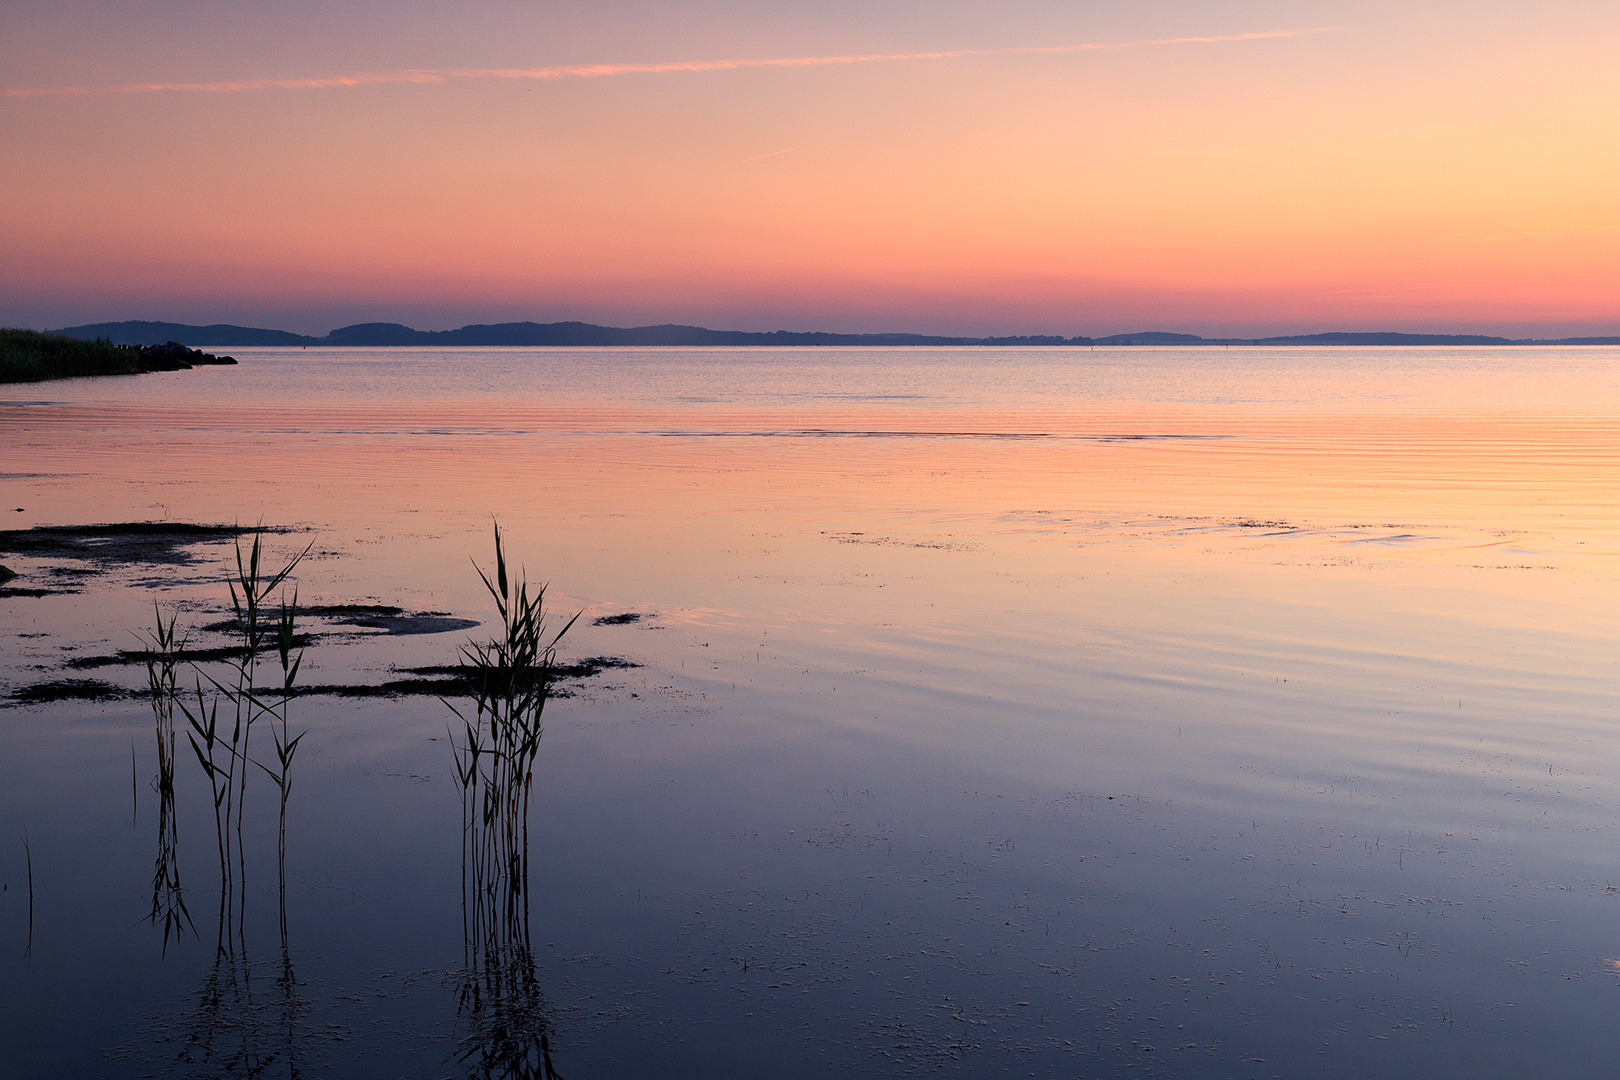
(27, 356)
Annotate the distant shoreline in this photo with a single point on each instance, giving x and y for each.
(137, 332)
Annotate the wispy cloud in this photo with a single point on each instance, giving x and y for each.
(762, 157)
(600, 71)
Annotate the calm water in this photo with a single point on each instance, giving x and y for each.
(1051, 712)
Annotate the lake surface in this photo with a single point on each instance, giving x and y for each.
(1055, 712)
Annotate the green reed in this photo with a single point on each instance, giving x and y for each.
(511, 679)
(223, 749)
(286, 742)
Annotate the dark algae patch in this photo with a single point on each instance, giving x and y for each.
(442, 680)
(389, 619)
(80, 552)
(454, 680)
(385, 617)
(133, 542)
(130, 657)
(69, 690)
(619, 620)
(437, 681)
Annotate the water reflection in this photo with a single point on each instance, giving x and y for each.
(988, 637)
(168, 896)
(240, 1027)
(500, 1008)
(501, 1013)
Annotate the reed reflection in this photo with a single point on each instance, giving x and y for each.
(502, 1013)
(242, 1027)
(168, 895)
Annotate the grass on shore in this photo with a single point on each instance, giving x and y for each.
(29, 356)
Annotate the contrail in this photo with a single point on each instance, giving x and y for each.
(599, 71)
(762, 157)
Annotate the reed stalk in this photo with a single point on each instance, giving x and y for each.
(511, 677)
(286, 743)
(28, 858)
(225, 757)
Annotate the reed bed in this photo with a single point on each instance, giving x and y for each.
(511, 678)
(29, 356)
(223, 749)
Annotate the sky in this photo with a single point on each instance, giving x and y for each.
(1233, 168)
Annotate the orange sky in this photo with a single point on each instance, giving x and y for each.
(1456, 168)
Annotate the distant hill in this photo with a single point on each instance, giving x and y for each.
(1346, 338)
(1570, 341)
(137, 332)
(1150, 337)
(584, 334)
(1385, 339)
(578, 333)
(159, 333)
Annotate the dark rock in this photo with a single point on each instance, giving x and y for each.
(174, 356)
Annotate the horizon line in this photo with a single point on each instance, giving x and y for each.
(1054, 338)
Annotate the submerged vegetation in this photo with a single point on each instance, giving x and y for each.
(30, 356)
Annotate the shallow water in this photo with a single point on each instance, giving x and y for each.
(1189, 712)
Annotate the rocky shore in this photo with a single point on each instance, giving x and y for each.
(174, 356)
